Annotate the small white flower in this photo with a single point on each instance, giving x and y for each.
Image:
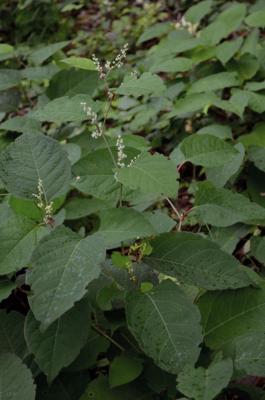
(121, 155)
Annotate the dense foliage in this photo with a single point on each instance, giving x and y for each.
(132, 200)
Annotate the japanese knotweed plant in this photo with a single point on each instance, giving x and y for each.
(132, 210)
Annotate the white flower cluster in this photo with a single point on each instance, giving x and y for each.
(92, 116)
(121, 154)
(132, 161)
(47, 208)
(192, 28)
(104, 69)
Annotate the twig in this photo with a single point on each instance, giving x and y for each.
(105, 335)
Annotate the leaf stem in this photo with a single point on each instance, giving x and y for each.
(105, 335)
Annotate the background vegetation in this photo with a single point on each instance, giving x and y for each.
(132, 200)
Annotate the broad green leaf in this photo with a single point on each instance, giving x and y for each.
(21, 124)
(256, 137)
(73, 82)
(79, 63)
(31, 158)
(176, 42)
(226, 50)
(60, 344)
(122, 224)
(214, 82)
(191, 104)
(73, 152)
(16, 379)
(95, 175)
(174, 65)
(246, 66)
(257, 156)
(166, 325)
(39, 73)
(220, 131)
(63, 264)
(220, 175)
(194, 260)
(198, 11)
(99, 389)
(79, 207)
(89, 354)
(9, 100)
(18, 238)
(147, 84)
(9, 78)
(256, 19)
(6, 288)
(222, 207)
(255, 86)
(160, 221)
(12, 333)
(154, 31)
(250, 353)
(6, 48)
(226, 23)
(40, 55)
(65, 109)
(206, 150)
(150, 174)
(258, 248)
(205, 383)
(124, 369)
(228, 238)
(229, 314)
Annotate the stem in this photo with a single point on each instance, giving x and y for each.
(109, 150)
(105, 335)
(173, 208)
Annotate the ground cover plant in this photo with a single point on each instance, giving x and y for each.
(132, 200)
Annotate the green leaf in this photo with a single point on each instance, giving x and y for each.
(16, 379)
(73, 82)
(160, 221)
(197, 261)
(166, 325)
(62, 266)
(65, 109)
(12, 333)
(34, 157)
(228, 238)
(6, 48)
(154, 31)
(198, 11)
(124, 369)
(250, 353)
(256, 137)
(214, 82)
(220, 131)
(81, 207)
(99, 389)
(229, 314)
(258, 248)
(221, 207)
(6, 288)
(220, 175)
(257, 156)
(88, 355)
(226, 23)
(122, 224)
(21, 124)
(45, 72)
(150, 174)
(180, 64)
(205, 383)
(18, 238)
(191, 104)
(60, 344)
(9, 78)
(206, 150)
(96, 176)
(256, 19)
(40, 55)
(226, 50)
(147, 84)
(80, 63)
